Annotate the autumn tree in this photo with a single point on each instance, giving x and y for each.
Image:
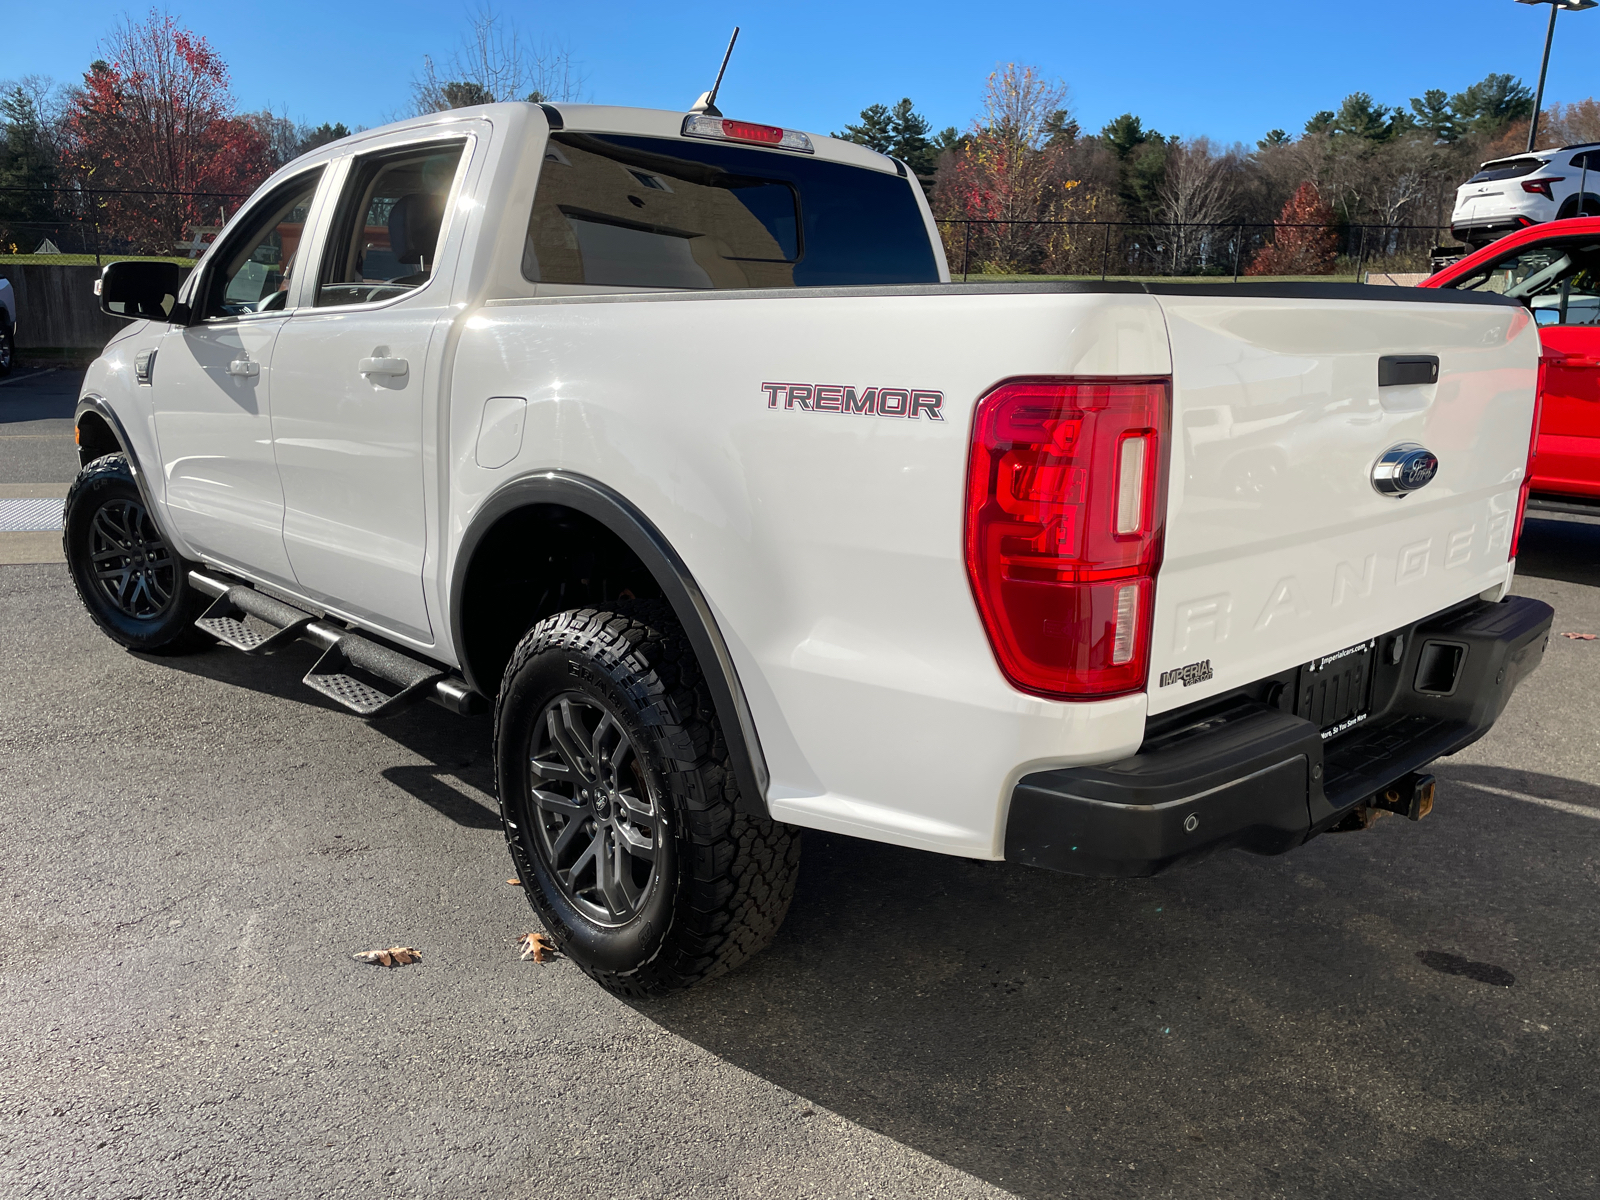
(153, 135)
(1303, 238)
(1008, 175)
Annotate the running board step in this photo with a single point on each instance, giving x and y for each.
(224, 620)
(355, 672)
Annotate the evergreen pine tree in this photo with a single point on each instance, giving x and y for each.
(1491, 103)
(27, 162)
(1431, 111)
(875, 132)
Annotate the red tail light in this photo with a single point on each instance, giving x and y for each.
(1533, 453)
(1065, 505)
(1539, 187)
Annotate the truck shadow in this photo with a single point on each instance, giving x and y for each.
(1334, 1022)
(1369, 1015)
(1554, 547)
(456, 781)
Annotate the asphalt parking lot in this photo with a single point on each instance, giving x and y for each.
(196, 846)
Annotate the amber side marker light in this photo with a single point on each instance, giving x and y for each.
(1064, 509)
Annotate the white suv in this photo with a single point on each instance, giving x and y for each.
(1508, 194)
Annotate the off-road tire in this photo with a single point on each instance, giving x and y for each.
(107, 484)
(721, 881)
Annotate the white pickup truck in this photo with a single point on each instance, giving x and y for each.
(668, 438)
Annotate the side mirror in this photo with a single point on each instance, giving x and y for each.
(137, 290)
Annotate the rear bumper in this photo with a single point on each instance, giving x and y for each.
(1242, 772)
(1483, 230)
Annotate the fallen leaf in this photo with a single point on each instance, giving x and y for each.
(537, 947)
(1581, 637)
(394, 956)
(514, 882)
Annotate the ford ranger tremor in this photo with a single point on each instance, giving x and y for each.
(667, 439)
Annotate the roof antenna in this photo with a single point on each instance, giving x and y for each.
(707, 103)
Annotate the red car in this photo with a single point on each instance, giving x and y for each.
(1554, 269)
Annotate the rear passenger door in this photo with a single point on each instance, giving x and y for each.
(356, 378)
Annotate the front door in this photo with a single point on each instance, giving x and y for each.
(211, 386)
(351, 377)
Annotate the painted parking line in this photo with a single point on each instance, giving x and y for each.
(23, 375)
(28, 549)
(33, 491)
(1577, 810)
(33, 515)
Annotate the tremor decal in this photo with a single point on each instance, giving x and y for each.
(904, 403)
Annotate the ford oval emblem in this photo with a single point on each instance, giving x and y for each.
(1402, 469)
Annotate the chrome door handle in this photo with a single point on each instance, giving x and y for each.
(384, 366)
(244, 368)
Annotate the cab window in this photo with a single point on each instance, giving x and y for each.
(391, 222)
(1559, 281)
(623, 211)
(255, 266)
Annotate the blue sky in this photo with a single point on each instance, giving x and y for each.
(1229, 69)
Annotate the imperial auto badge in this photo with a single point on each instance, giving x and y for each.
(1401, 470)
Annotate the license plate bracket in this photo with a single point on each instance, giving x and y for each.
(1334, 692)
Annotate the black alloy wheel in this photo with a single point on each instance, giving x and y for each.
(132, 582)
(597, 819)
(621, 808)
(133, 568)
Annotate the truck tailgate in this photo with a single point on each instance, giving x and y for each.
(1279, 550)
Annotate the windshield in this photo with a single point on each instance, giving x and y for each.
(667, 213)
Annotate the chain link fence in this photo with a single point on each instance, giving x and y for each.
(88, 225)
(71, 225)
(979, 248)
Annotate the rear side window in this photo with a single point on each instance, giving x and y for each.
(390, 224)
(1507, 168)
(661, 213)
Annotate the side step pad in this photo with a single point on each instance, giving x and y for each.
(370, 679)
(355, 672)
(224, 620)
